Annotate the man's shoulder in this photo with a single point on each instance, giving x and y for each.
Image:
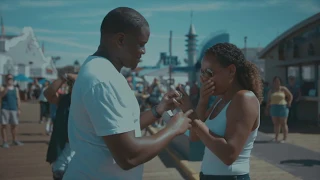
(99, 69)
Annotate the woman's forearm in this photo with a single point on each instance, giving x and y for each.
(198, 114)
(201, 110)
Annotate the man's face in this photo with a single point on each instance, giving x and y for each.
(292, 81)
(9, 80)
(133, 47)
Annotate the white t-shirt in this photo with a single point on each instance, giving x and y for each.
(42, 97)
(102, 104)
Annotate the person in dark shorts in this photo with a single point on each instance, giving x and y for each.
(10, 111)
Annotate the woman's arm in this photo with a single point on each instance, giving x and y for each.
(288, 95)
(242, 114)
(51, 92)
(202, 113)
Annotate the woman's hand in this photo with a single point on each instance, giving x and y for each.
(206, 90)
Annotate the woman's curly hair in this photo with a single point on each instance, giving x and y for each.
(247, 73)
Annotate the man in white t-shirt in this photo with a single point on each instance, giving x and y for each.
(105, 124)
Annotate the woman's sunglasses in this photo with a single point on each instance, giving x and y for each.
(208, 73)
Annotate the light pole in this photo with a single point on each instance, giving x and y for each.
(170, 59)
(245, 46)
(30, 69)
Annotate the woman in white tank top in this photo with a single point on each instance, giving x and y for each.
(229, 128)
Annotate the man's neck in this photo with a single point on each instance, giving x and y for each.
(113, 59)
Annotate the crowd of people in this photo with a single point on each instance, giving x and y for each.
(97, 119)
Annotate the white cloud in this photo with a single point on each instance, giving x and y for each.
(6, 7)
(308, 6)
(93, 13)
(91, 21)
(18, 30)
(149, 11)
(38, 3)
(13, 29)
(66, 42)
(147, 14)
(212, 6)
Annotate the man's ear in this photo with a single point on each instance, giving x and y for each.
(119, 39)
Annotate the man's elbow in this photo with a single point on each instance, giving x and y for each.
(126, 164)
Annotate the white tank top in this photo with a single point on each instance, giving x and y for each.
(211, 164)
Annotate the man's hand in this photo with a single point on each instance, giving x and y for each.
(180, 122)
(183, 102)
(167, 102)
(18, 112)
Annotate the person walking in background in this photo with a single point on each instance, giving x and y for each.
(296, 95)
(10, 111)
(59, 153)
(36, 88)
(155, 92)
(44, 108)
(279, 102)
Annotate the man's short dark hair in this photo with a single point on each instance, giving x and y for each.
(292, 77)
(122, 19)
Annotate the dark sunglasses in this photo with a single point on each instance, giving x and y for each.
(206, 73)
(10, 78)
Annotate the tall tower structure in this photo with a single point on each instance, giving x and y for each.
(191, 50)
(2, 28)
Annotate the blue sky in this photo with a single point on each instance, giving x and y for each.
(70, 28)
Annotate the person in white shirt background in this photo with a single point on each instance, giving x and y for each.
(104, 125)
(45, 109)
